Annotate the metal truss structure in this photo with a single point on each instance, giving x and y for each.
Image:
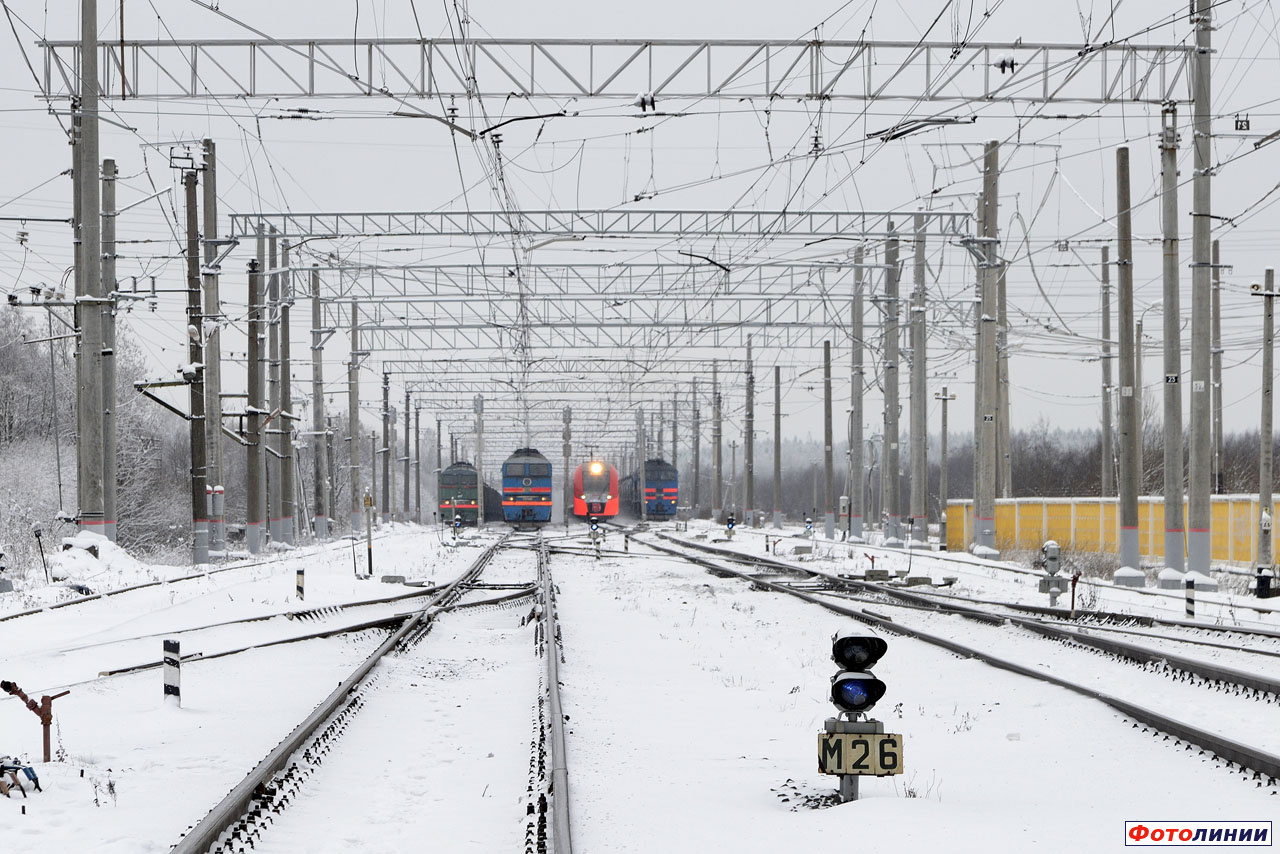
(566, 69)
(570, 308)
(624, 222)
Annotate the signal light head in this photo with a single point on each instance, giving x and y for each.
(855, 691)
(853, 651)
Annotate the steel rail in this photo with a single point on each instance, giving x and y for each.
(1233, 751)
(561, 835)
(1210, 672)
(972, 563)
(206, 833)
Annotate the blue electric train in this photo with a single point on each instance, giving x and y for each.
(526, 489)
(661, 490)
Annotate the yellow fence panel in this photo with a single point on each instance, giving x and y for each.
(1088, 534)
(1220, 530)
(1057, 516)
(1006, 525)
(958, 526)
(1092, 524)
(1241, 527)
(1111, 526)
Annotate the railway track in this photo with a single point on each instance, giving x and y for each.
(969, 564)
(1263, 765)
(241, 817)
(286, 793)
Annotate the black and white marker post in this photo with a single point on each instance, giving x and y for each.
(301, 583)
(172, 673)
(1191, 598)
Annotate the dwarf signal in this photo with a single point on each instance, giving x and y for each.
(852, 745)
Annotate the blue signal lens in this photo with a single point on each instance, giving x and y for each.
(856, 692)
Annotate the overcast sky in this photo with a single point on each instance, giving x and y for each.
(1058, 181)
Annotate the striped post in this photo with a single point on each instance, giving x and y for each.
(1191, 598)
(301, 583)
(172, 673)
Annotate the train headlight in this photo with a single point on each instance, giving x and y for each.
(596, 468)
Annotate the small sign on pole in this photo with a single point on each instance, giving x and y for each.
(172, 673)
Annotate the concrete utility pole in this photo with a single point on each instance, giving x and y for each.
(717, 502)
(213, 351)
(1217, 372)
(919, 399)
(984, 517)
(386, 447)
(353, 422)
(417, 463)
(89, 450)
(1004, 447)
(662, 427)
(404, 508)
(566, 416)
(1199, 510)
(892, 483)
(253, 532)
(1130, 462)
(373, 471)
(733, 477)
(478, 404)
(1173, 509)
(258, 365)
(675, 422)
(697, 446)
(942, 469)
(777, 446)
(318, 431)
(331, 474)
(272, 461)
(857, 500)
(828, 440)
(1108, 449)
(749, 441)
(641, 468)
(288, 497)
(1265, 556)
(193, 373)
(109, 350)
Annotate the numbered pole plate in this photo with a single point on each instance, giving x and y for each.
(873, 754)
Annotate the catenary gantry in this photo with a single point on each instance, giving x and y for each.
(856, 70)
(628, 222)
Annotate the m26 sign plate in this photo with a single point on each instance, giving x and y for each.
(872, 754)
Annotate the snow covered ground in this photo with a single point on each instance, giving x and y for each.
(693, 706)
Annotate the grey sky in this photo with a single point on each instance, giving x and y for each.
(715, 156)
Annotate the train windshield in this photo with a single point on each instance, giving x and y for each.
(595, 482)
(539, 470)
(514, 469)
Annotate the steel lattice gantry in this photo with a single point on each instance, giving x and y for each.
(625, 222)
(619, 68)
(576, 306)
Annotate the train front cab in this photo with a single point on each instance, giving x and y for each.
(526, 489)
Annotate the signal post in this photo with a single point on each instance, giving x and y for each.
(852, 745)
